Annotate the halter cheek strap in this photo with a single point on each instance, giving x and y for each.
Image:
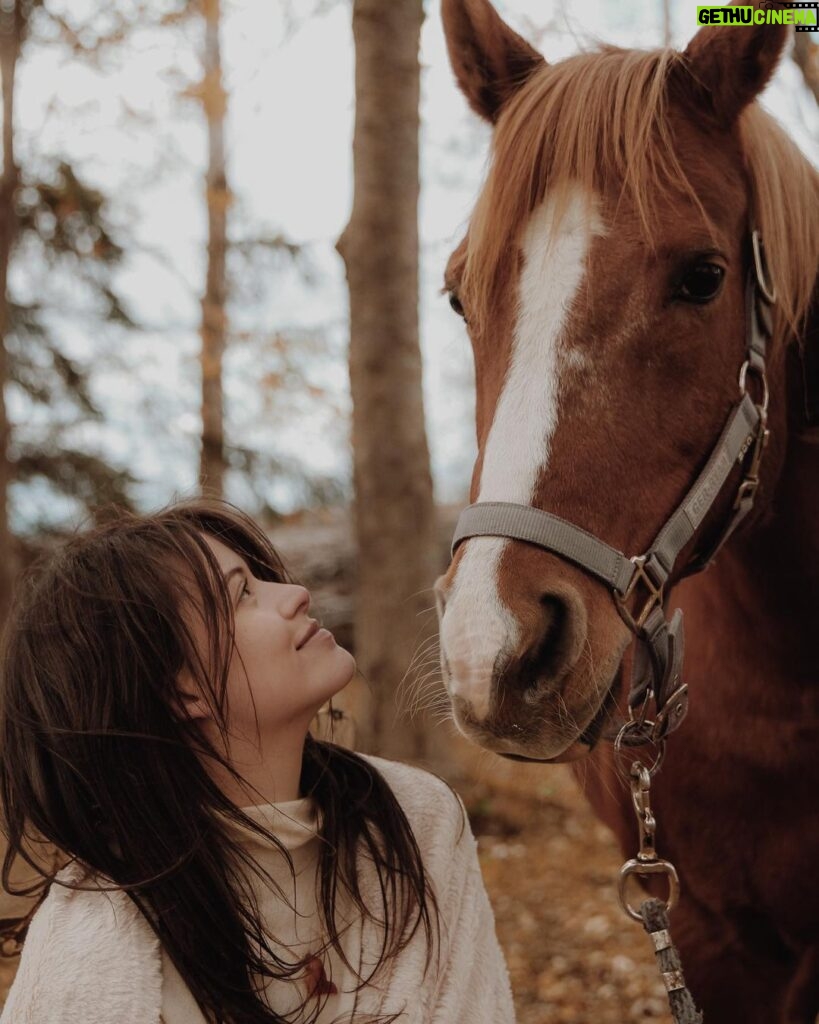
(659, 654)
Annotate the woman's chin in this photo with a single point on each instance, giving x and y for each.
(339, 672)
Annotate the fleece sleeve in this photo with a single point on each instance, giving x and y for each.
(89, 958)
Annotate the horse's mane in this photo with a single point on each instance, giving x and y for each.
(599, 119)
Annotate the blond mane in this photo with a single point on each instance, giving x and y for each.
(599, 120)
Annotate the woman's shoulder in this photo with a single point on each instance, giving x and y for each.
(89, 956)
(433, 809)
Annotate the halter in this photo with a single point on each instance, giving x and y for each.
(657, 664)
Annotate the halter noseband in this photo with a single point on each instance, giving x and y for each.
(658, 657)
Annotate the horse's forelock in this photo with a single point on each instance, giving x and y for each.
(601, 120)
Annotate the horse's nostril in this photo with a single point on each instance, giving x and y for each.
(554, 613)
(551, 651)
(546, 657)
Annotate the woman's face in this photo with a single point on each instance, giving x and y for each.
(288, 669)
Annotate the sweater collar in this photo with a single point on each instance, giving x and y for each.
(294, 823)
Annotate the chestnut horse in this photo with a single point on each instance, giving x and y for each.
(602, 279)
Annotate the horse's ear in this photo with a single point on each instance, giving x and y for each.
(490, 61)
(726, 66)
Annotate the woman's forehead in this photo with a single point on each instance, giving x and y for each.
(192, 577)
(226, 557)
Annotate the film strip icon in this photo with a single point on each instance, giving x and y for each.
(797, 5)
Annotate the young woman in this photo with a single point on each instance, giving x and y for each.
(158, 677)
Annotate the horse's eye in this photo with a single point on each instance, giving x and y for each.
(455, 302)
(702, 282)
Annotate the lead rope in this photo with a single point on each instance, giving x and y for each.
(653, 913)
(654, 916)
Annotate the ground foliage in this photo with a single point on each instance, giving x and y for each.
(551, 871)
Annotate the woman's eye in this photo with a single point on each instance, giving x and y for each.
(701, 283)
(455, 302)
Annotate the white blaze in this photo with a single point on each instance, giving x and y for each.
(476, 625)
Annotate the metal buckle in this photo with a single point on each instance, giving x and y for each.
(750, 482)
(655, 595)
(640, 868)
(747, 368)
(646, 862)
(637, 733)
(760, 268)
(672, 713)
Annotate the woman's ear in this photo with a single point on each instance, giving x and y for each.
(490, 61)
(196, 707)
(725, 67)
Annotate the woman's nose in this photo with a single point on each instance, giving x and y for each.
(295, 600)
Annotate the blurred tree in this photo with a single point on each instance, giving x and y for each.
(241, 261)
(240, 269)
(52, 220)
(666, 12)
(394, 510)
(213, 331)
(62, 229)
(13, 26)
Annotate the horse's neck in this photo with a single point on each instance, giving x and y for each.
(809, 395)
(771, 571)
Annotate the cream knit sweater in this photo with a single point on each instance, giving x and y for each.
(91, 958)
(291, 914)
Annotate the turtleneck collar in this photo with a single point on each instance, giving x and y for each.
(294, 823)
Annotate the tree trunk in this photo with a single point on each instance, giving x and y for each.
(214, 318)
(666, 22)
(12, 24)
(12, 28)
(394, 511)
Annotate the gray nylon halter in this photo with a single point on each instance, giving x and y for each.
(658, 657)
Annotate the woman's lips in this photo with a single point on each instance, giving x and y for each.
(312, 629)
(319, 633)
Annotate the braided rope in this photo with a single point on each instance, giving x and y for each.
(655, 922)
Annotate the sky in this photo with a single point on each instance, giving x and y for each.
(289, 144)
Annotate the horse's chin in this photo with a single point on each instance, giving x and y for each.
(574, 752)
(603, 724)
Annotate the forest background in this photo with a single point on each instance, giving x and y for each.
(178, 175)
(174, 302)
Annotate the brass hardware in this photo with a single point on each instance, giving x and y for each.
(759, 439)
(763, 379)
(643, 732)
(655, 595)
(673, 709)
(673, 980)
(646, 862)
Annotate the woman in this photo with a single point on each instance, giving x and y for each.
(159, 676)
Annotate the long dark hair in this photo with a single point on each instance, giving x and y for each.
(100, 758)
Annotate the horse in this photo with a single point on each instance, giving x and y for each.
(603, 280)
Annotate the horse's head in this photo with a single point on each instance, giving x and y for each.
(602, 281)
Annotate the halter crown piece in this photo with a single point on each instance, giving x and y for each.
(657, 664)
